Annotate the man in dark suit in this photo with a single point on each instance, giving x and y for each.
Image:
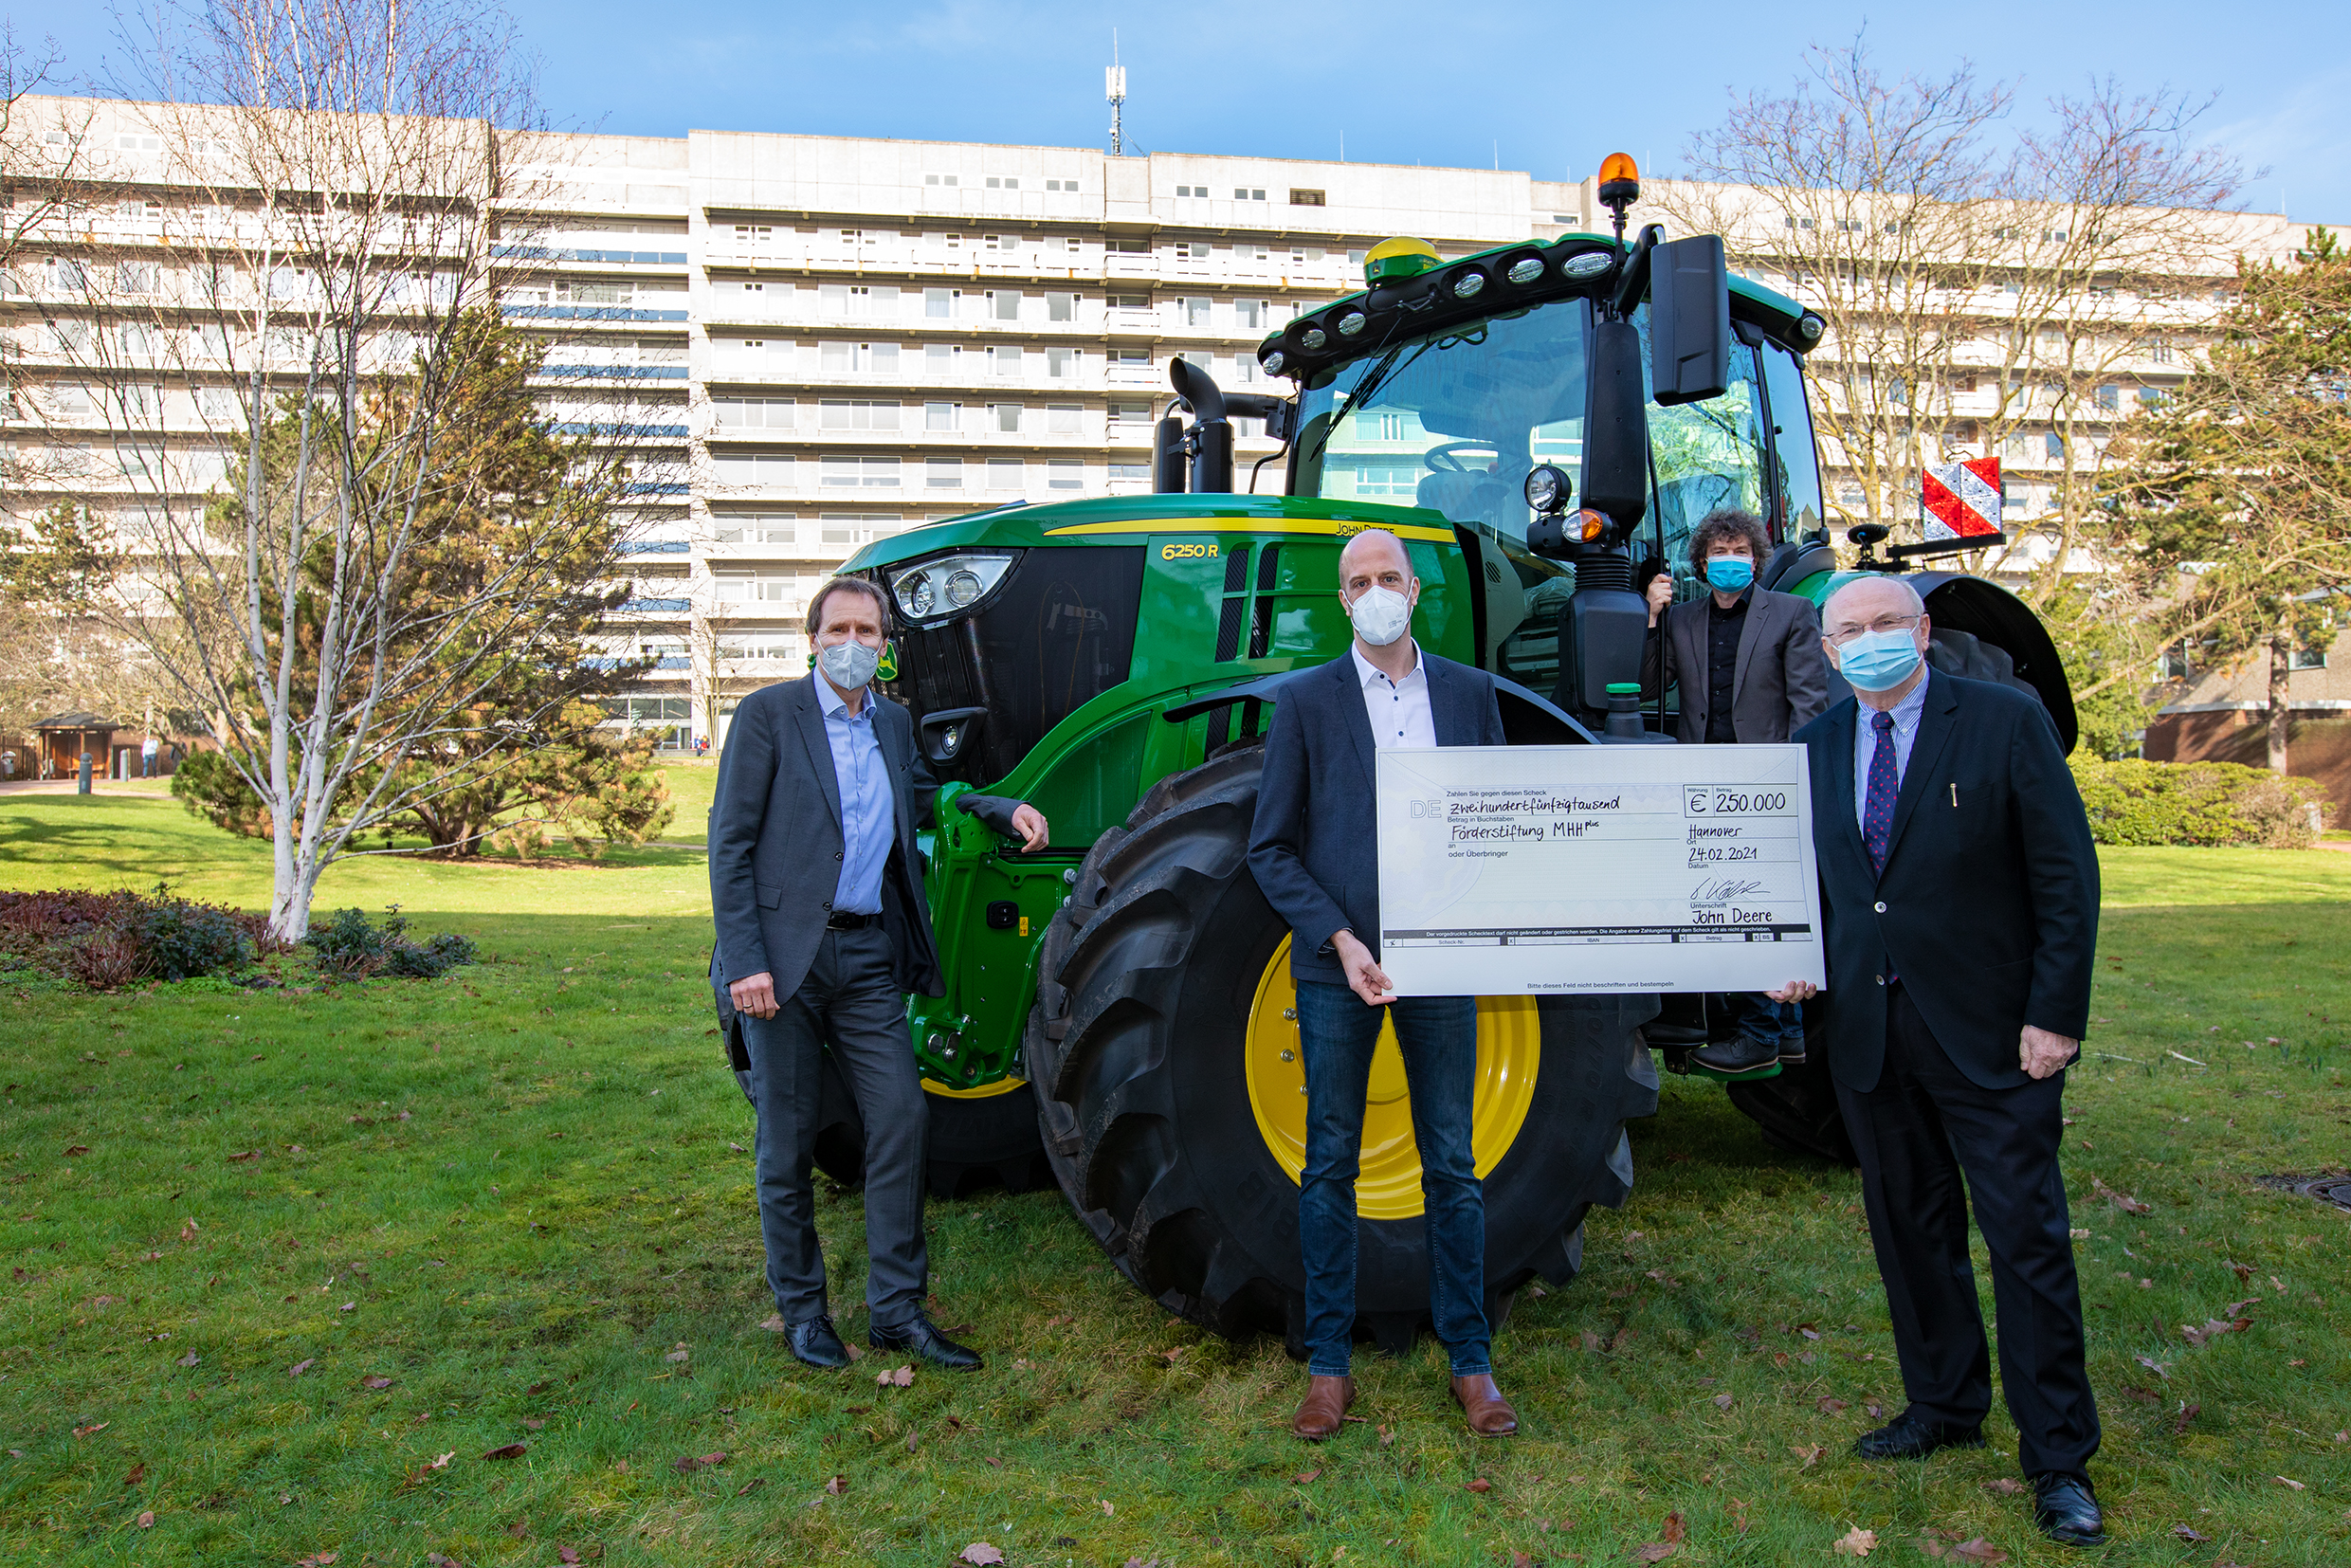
(1959, 888)
(1314, 852)
(1750, 669)
(817, 890)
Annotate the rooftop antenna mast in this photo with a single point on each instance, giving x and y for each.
(1114, 89)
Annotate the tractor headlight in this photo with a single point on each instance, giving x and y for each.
(1467, 282)
(1312, 339)
(1526, 270)
(946, 585)
(1548, 488)
(1588, 263)
(1351, 323)
(1273, 362)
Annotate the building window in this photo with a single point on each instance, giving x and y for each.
(942, 473)
(940, 359)
(1005, 359)
(1060, 364)
(939, 416)
(1004, 474)
(1196, 312)
(854, 358)
(1251, 314)
(941, 179)
(1004, 304)
(1127, 247)
(1007, 182)
(1186, 192)
(1061, 185)
(2306, 658)
(840, 528)
(1245, 192)
(1062, 418)
(1130, 302)
(754, 233)
(1061, 307)
(1065, 474)
(842, 414)
(1130, 414)
(939, 303)
(2053, 445)
(867, 473)
(755, 527)
(2110, 398)
(755, 413)
(1003, 417)
(1135, 471)
(772, 470)
(1305, 198)
(1192, 250)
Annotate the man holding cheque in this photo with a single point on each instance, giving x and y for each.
(1313, 852)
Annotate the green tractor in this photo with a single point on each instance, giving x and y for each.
(1538, 423)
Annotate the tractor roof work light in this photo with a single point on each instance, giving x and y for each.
(1392, 260)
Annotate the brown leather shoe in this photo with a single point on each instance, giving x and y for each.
(1489, 1413)
(1326, 1403)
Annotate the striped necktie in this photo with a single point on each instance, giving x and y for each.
(1877, 810)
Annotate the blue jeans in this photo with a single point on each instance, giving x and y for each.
(1767, 1022)
(1338, 1032)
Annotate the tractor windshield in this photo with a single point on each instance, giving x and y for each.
(1454, 421)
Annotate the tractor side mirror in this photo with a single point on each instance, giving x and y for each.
(1689, 321)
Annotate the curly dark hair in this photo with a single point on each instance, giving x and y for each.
(1721, 526)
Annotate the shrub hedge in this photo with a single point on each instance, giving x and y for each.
(109, 939)
(2198, 803)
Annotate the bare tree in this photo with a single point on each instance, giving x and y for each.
(286, 368)
(1981, 289)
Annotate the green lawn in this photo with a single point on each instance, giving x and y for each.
(516, 1194)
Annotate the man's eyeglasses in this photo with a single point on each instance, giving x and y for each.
(1883, 623)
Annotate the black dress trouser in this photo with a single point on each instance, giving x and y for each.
(1923, 1126)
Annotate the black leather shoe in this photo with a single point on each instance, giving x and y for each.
(1792, 1050)
(920, 1336)
(2067, 1509)
(1913, 1436)
(816, 1342)
(1739, 1055)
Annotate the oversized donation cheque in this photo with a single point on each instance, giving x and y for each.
(1510, 870)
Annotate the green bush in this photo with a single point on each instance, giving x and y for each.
(349, 946)
(2198, 803)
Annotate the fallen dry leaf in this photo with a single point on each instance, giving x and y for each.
(979, 1552)
(896, 1378)
(688, 1463)
(190, 1360)
(2124, 1201)
(1387, 1436)
(241, 1158)
(2007, 1485)
(1829, 1406)
(375, 1382)
(1480, 1485)
(681, 1354)
(441, 1559)
(1739, 1513)
(302, 1366)
(1304, 1476)
(1675, 1531)
(567, 1555)
(2188, 1534)
(751, 1485)
(2187, 1414)
(837, 1484)
(2288, 1481)
(1979, 1550)
(1811, 1455)
(1656, 1551)
(138, 1473)
(318, 1559)
(505, 1450)
(2212, 1329)
(1107, 1508)
(775, 1323)
(1723, 1402)
(85, 1431)
(147, 1518)
(1857, 1542)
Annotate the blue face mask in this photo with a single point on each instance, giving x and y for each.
(1879, 660)
(1730, 573)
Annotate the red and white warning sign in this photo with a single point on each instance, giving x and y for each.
(1962, 500)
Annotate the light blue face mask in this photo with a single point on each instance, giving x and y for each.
(1729, 573)
(1879, 660)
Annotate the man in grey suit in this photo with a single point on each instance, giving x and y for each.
(1751, 670)
(1315, 855)
(817, 890)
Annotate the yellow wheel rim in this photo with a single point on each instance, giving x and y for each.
(1388, 1185)
(985, 1091)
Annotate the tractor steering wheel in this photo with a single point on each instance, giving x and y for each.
(1452, 465)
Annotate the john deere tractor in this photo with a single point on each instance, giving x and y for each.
(1538, 422)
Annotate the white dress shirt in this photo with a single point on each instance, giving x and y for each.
(1906, 716)
(1398, 710)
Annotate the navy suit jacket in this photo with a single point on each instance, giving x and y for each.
(1312, 847)
(1988, 906)
(775, 843)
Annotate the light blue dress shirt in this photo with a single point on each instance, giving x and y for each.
(868, 808)
(1906, 716)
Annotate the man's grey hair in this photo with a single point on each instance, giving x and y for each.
(1371, 533)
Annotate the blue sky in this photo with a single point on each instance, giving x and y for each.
(1539, 87)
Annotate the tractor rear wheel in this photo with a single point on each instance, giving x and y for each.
(1164, 1055)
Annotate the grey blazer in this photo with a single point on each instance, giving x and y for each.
(1312, 847)
(775, 843)
(1779, 684)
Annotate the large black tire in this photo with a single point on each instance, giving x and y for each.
(974, 1143)
(1145, 986)
(1797, 1110)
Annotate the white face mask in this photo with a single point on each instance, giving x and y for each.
(849, 665)
(1380, 616)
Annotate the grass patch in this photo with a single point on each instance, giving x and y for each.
(514, 1193)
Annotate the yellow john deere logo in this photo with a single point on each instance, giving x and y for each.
(887, 669)
(1186, 551)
